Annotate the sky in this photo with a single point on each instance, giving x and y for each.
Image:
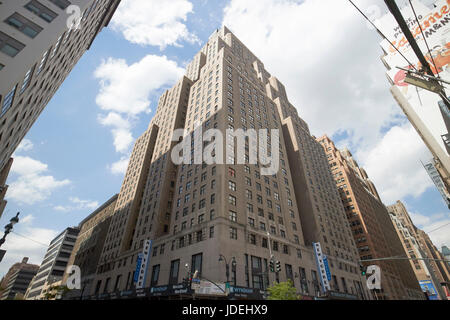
(74, 157)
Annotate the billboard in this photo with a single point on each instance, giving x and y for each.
(428, 287)
(435, 24)
(142, 263)
(322, 266)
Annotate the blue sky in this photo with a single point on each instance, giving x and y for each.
(79, 151)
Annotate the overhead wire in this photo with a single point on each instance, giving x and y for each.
(424, 38)
(381, 34)
(439, 227)
(42, 244)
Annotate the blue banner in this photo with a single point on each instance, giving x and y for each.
(138, 268)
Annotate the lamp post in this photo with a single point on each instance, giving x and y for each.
(9, 227)
(227, 267)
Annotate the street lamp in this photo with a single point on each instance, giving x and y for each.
(9, 227)
(227, 267)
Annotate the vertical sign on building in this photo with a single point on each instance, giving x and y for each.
(327, 267)
(325, 276)
(145, 259)
(138, 268)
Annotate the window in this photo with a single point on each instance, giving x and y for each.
(232, 185)
(264, 243)
(26, 80)
(174, 269)
(231, 172)
(10, 46)
(196, 264)
(232, 216)
(155, 275)
(24, 25)
(289, 274)
(252, 239)
(41, 65)
(232, 200)
(41, 11)
(273, 230)
(8, 100)
(62, 4)
(233, 233)
(211, 232)
(106, 288)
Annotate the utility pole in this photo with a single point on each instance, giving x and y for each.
(431, 80)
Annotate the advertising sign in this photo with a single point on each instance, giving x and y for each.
(138, 268)
(321, 267)
(428, 287)
(435, 24)
(208, 288)
(327, 267)
(145, 256)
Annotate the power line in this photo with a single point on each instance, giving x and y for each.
(381, 34)
(402, 258)
(424, 39)
(439, 227)
(42, 244)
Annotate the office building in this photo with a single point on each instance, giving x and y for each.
(372, 228)
(37, 52)
(201, 216)
(446, 253)
(425, 270)
(53, 265)
(89, 245)
(17, 279)
(3, 186)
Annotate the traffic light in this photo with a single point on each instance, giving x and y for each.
(272, 267)
(363, 269)
(186, 282)
(278, 266)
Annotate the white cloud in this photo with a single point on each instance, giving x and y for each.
(28, 219)
(393, 164)
(436, 226)
(17, 247)
(32, 184)
(125, 92)
(154, 22)
(329, 61)
(121, 131)
(77, 204)
(120, 167)
(25, 145)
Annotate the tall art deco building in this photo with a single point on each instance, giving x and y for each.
(195, 213)
(37, 53)
(371, 225)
